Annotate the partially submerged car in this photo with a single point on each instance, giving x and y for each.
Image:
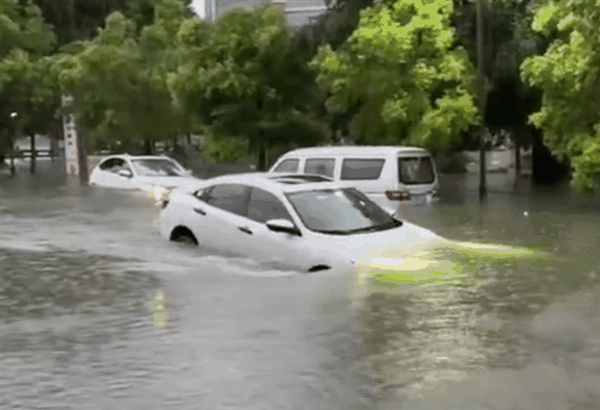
(302, 221)
(155, 174)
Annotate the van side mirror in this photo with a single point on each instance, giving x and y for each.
(283, 225)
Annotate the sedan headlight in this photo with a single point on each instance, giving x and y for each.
(158, 192)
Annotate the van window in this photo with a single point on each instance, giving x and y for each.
(415, 170)
(355, 169)
(288, 165)
(320, 166)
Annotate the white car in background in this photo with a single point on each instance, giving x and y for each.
(304, 222)
(157, 175)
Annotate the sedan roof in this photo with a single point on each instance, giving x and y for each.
(276, 182)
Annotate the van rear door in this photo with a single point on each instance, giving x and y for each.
(417, 174)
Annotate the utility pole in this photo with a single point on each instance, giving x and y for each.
(482, 86)
(75, 155)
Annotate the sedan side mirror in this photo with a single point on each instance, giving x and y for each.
(283, 225)
(125, 173)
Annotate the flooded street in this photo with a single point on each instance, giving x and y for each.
(80, 266)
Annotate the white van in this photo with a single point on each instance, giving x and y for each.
(385, 174)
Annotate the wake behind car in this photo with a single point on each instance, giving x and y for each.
(304, 222)
(156, 175)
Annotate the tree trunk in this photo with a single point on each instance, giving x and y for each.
(32, 160)
(261, 165)
(482, 101)
(188, 136)
(82, 159)
(147, 147)
(517, 158)
(13, 170)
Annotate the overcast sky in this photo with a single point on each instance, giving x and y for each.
(198, 6)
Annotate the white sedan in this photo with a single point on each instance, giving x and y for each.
(156, 175)
(304, 222)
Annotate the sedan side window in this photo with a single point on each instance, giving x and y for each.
(114, 165)
(264, 206)
(108, 164)
(228, 197)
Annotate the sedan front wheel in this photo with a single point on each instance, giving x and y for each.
(182, 234)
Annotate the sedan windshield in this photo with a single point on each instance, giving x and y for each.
(157, 168)
(340, 211)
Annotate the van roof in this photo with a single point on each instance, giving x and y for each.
(274, 182)
(353, 150)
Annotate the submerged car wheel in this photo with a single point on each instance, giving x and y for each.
(182, 234)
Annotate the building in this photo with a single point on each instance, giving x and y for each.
(298, 12)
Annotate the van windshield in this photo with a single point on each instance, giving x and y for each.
(416, 170)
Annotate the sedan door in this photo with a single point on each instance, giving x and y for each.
(216, 219)
(283, 250)
(107, 174)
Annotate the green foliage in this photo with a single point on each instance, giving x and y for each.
(222, 148)
(74, 20)
(25, 87)
(242, 76)
(569, 76)
(119, 78)
(402, 75)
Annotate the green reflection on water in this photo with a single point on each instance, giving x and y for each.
(441, 261)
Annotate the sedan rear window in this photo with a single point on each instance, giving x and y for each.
(415, 170)
(362, 169)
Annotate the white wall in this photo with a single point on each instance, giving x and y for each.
(199, 7)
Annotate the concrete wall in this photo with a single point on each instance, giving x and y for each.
(298, 12)
(497, 161)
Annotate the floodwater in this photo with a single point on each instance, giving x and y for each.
(79, 268)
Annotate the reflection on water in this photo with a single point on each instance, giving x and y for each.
(80, 272)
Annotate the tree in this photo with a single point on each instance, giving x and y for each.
(401, 76)
(118, 79)
(242, 77)
(25, 88)
(569, 78)
(74, 20)
(507, 40)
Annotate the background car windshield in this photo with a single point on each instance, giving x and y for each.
(339, 211)
(156, 168)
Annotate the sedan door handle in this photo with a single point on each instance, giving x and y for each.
(199, 211)
(245, 230)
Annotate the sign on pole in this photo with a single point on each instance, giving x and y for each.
(71, 139)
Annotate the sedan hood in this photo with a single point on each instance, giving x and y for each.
(170, 182)
(404, 237)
